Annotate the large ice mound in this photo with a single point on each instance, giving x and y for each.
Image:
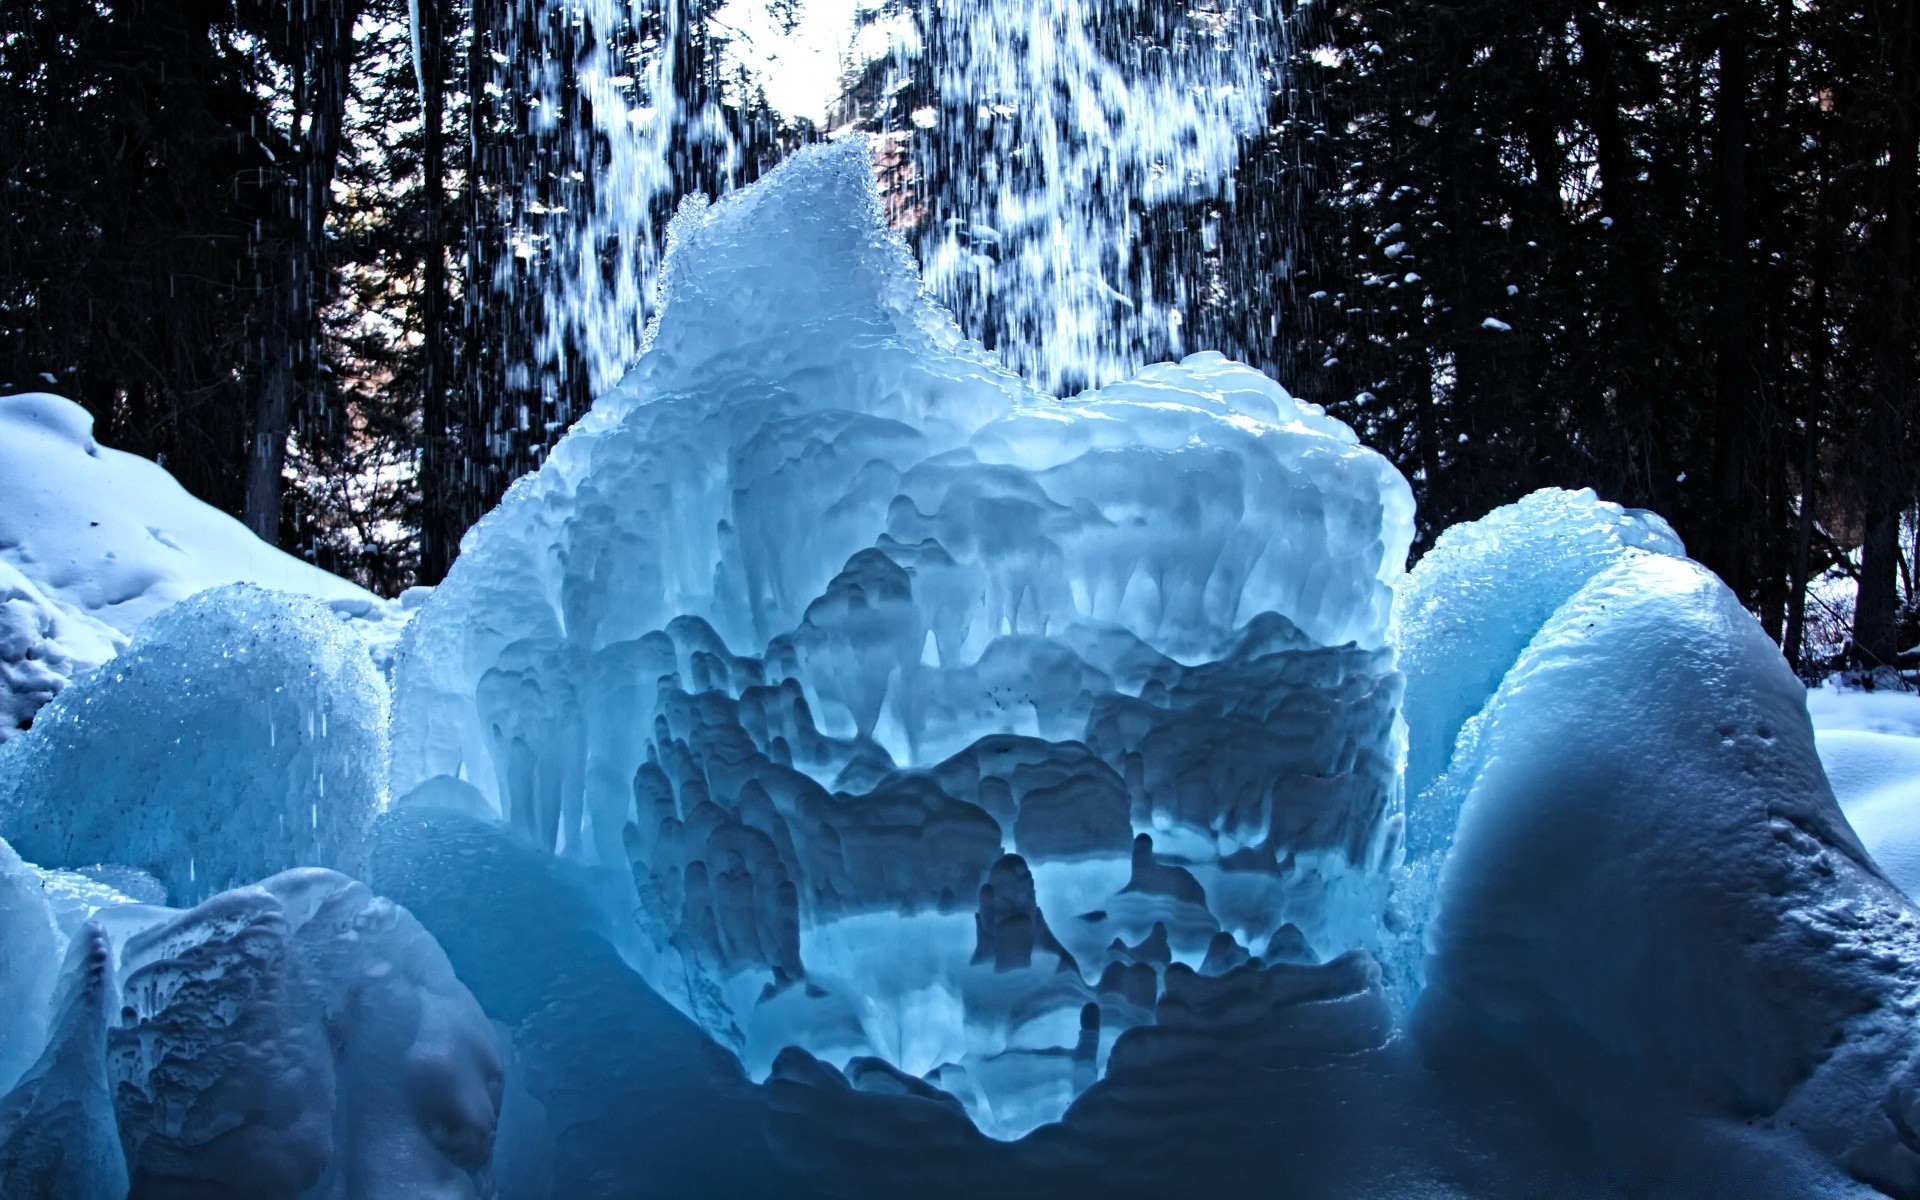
(243, 732)
(930, 718)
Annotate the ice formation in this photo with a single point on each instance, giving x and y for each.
(243, 732)
(300, 1038)
(840, 760)
(1653, 905)
(932, 717)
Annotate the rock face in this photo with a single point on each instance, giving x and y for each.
(819, 616)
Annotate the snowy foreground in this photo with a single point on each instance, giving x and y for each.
(843, 771)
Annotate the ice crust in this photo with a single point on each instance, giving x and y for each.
(243, 732)
(870, 664)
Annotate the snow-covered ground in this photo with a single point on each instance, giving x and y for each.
(1870, 745)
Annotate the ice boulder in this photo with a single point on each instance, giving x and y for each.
(1653, 906)
(931, 718)
(300, 1037)
(242, 733)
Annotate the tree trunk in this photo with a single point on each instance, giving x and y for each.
(439, 490)
(293, 342)
(1890, 487)
(1733, 350)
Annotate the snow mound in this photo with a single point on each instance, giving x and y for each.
(1653, 903)
(42, 647)
(93, 541)
(114, 536)
(243, 732)
(931, 718)
(1834, 707)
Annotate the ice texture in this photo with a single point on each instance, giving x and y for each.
(58, 1136)
(1653, 906)
(300, 1037)
(242, 733)
(1474, 601)
(30, 949)
(924, 711)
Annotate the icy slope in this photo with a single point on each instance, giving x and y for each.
(931, 718)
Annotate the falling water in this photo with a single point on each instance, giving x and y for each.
(1058, 125)
(1053, 128)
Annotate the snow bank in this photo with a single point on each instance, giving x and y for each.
(1870, 745)
(94, 541)
(116, 537)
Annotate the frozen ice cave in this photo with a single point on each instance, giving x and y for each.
(840, 770)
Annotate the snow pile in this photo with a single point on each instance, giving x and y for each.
(932, 718)
(94, 541)
(243, 732)
(42, 647)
